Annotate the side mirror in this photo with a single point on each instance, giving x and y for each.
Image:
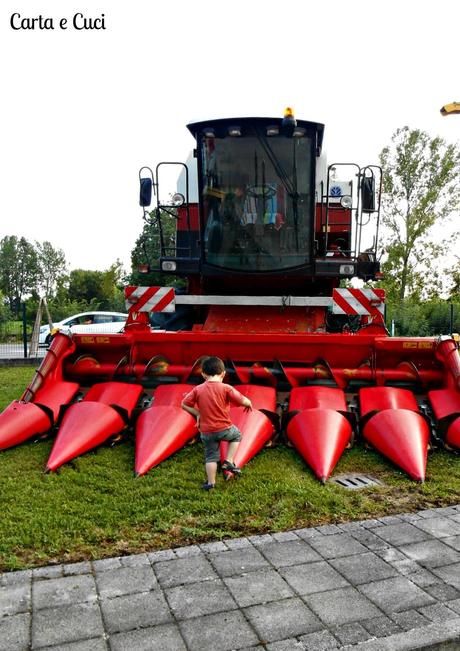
(145, 194)
(177, 200)
(368, 194)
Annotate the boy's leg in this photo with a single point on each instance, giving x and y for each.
(232, 448)
(211, 471)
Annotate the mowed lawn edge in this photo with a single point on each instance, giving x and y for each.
(94, 507)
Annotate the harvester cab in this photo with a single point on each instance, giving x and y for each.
(258, 211)
(265, 234)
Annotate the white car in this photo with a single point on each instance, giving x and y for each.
(86, 322)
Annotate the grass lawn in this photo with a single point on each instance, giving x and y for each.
(94, 507)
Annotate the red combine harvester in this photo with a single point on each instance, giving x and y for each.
(264, 233)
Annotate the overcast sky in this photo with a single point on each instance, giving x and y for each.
(83, 110)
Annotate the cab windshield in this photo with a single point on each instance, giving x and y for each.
(257, 201)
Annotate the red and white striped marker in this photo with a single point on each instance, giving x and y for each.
(150, 299)
(364, 302)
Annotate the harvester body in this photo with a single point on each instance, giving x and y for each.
(263, 236)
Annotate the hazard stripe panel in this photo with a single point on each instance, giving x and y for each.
(150, 299)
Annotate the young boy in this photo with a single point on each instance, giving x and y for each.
(210, 404)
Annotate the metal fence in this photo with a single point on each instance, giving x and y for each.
(15, 339)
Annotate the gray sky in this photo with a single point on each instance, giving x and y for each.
(82, 111)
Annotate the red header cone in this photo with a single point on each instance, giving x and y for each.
(401, 435)
(20, 421)
(320, 436)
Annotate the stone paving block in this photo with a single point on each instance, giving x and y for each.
(71, 569)
(319, 641)
(106, 564)
(424, 578)
(15, 632)
(13, 578)
(238, 561)
(289, 553)
(95, 644)
(290, 644)
(352, 633)
(407, 567)
(431, 513)
(197, 599)
(237, 543)
(442, 592)
(341, 544)
(328, 529)
(139, 610)
(391, 555)
(163, 638)
(390, 519)
(185, 552)
(409, 517)
(431, 553)
(161, 555)
(403, 533)
(50, 572)
(222, 631)
(342, 606)
(363, 568)
(263, 539)
(285, 536)
(14, 599)
(56, 626)
(307, 532)
(258, 587)
(125, 580)
(454, 605)
(395, 595)
(184, 570)
(438, 613)
(450, 574)
(369, 539)
(441, 527)
(213, 547)
(452, 541)
(381, 626)
(370, 524)
(313, 577)
(136, 560)
(64, 591)
(409, 619)
(349, 527)
(282, 619)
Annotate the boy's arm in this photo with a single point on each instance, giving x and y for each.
(193, 411)
(239, 399)
(247, 404)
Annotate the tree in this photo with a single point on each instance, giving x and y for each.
(98, 289)
(19, 270)
(421, 191)
(146, 250)
(52, 266)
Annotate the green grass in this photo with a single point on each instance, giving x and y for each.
(94, 507)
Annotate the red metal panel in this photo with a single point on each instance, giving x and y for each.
(261, 398)
(56, 394)
(320, 436)
(122, 394)
(20, 421)
(161, 430)
(171, 394)
(317, 397)
(85, 425)
(444, 402)
(402, 436)
(380, 398)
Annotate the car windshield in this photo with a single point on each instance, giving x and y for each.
(257, 201)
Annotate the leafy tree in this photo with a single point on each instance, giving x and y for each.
(101, 288)
(146, 251)
(421, 190)
(52, 268)
(19, 270)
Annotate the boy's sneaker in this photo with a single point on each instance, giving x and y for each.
(208, 487)
(228, 466)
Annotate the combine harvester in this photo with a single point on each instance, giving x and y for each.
(264, 232)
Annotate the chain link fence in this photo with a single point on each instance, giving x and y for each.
(15, 339)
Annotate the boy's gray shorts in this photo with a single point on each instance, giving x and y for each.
(212, 441)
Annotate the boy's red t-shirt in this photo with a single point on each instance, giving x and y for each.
(213, 401)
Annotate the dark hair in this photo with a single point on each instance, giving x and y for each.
(213, 366)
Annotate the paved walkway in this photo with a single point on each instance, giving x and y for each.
(377, 585)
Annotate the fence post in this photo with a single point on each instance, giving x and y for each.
(24, 329)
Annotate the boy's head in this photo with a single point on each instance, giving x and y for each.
(213, 366)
